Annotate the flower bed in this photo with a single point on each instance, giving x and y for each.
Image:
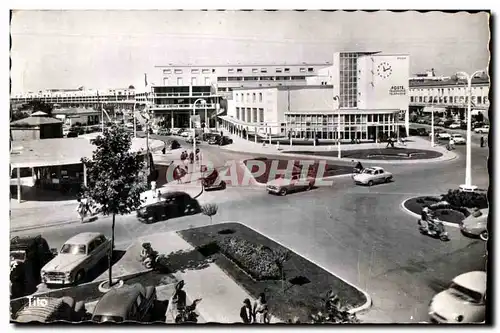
(459, 198)
(442, 210)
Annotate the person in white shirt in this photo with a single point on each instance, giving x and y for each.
(452, 144)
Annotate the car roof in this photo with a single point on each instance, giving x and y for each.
(83, 238)
(22, 243)
(38, 312)
(475, 281)
(117, 301)
(375, 168)
(174, 194)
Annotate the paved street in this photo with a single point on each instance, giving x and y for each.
(359, 233)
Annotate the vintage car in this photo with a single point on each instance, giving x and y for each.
(220, 140)
(286, 184)
(463, 302)
(213, 181)
(455, 125)
(163, 132)
(482, 130)
(48, 309)
(27, 256)
(370, 176)
(190, 140)
(77, 256)
(475, 225)
(169, 205)
(458, 139)
(128, 303)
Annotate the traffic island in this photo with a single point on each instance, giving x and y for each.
(395, 153)
(264, 176)
(294, 286)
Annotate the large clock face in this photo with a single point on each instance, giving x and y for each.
(384, 70)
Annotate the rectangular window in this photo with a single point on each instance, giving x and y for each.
(195, 71)
(420, 99)
(242, 97)
(260, 97)
(310, 69)
(248, 98)
(261, 115)
(254, 98)
(242, 114)
(279, 70)
(222, 89)
(287, 70)
(263, 70)
(237, 97)
(178, 71)
(237, 112)
(207, 81)
(249, 115)
(230, 70)
(255, 70)
(411, 99)
(205, 71)
(302, 70)
(232, 78)
(221, 79)
(179, 81)
(239, 70)
(167, 71)
(193, 81)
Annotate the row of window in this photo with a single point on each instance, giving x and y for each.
(238, 70)
(261, 78)
(441, 90)
(448, 99)
(347, 119)
(250, 116)
(254, 97)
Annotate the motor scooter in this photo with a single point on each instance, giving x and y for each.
(435, 230)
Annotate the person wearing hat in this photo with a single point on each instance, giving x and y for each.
(246, 312)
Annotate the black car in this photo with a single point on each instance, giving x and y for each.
(169, 205)
(418, 131)
(27, 257)
(174, 144)
(220, 140)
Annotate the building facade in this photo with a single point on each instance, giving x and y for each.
(369, 92)
(449, 95)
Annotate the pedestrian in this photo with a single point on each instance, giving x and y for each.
(221, 134)
(158, 196)
(260, 310)
(452, 143)
(179, 298)
(482, 142)
(81, 209)
(164, 150)
(246, 312)
(191, 157)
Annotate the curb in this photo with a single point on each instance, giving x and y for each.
(48, 225)
(409, 212)
(363, 307)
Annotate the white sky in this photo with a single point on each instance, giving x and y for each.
(112, 49)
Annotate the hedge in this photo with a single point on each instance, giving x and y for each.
(458, 198)
(256, 260)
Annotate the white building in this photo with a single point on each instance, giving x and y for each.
(368, 89)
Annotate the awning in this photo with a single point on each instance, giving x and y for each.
(429, 109)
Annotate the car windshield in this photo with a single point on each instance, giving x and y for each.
(73, 249)
(465, 294)
(369, 171)
(17, 255)
(103, 319)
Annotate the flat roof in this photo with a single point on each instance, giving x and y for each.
(297, 87)
(63, 151)
(244, 65)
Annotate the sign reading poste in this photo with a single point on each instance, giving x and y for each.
(397, 90)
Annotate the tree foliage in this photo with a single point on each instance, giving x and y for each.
(334, 312)
(38, 105)
(114, 173)
(209, 210)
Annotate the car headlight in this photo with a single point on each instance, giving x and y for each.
(43, 273)
(67, 274)
(459, 318)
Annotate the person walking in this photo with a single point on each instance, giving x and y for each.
(81, 209)
(452, 143)
(246, 312)
(482, 142)
(260, 310)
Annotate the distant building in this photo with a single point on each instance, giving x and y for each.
(37, 126)
(83, 116)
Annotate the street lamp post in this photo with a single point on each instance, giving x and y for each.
(468, 178)
(135, 126)
(193, 125)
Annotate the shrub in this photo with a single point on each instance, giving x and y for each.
(420, 200)
(256, 260)
(459, 198)
(433, 199)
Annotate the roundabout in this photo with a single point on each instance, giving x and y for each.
(378, 154)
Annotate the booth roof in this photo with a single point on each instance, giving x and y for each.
(34, 121)
(52, 152)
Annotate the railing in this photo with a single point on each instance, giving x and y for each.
(183, 94)
(458, 104)
(183, 106)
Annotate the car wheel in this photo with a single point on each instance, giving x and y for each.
(223, 185)
(370, 183)
(309, 187)
(283, 192)
(388, 179)
(484, 235)
(80, 276)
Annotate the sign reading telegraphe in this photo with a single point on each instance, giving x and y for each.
(397, 90)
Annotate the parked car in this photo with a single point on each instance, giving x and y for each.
(463, 302)
(475, 225)
(213, 181)
(420, 131)
(170, 205)
(371, 176)
(185, 134)
(443, 136)
(27, 257)
(174, 144)
(190, 140)
(422, 121)
(129, 125)
(482, 130)
(128, 303)
(477, 124)
(220, 140)
(458, 139)
(77, 256)
(285, 185)
(455, 125)
(163, 131)
(440, 123)
(55, 309)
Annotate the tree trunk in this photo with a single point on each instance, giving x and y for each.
(110, 255)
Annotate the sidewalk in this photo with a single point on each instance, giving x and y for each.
(242, 145)
(221, 296)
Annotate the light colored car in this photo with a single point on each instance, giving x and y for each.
(129, 125)
(463, 302)
(371, 176)
(455, 126)
(482, 130)
(286, 184)
(458, 139)
(476, 225)
(443, 135)
(76, 257)
(185, 134)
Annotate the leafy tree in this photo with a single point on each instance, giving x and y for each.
(209, 210)
(114, 177)
(334, 312)
(38, 105)
(131, 87)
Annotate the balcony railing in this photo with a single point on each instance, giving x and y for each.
(183, 94)
(457, 104)
(183, 106)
